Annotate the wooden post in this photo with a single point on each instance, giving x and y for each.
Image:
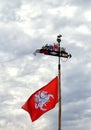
(59, 84)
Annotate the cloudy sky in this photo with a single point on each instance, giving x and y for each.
(26, 25)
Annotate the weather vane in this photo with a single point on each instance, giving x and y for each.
(54, 50)
(58, 51)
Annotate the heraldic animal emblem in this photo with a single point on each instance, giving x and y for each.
(41, 99)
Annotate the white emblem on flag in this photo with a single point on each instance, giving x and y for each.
(41, 99)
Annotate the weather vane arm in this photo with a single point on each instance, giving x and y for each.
(53, 50)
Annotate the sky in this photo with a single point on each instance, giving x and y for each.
(27, 25)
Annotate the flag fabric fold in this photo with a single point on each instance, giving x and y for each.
(42, 100)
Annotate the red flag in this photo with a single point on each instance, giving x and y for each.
(42, 100)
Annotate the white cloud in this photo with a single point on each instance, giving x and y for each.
(12, 71)
(83, 29)
(87, 15)
(68, 11)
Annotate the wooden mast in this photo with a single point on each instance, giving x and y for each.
(59, 84)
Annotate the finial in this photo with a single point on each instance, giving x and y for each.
(59, 38)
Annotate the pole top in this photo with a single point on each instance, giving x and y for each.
(59, 38)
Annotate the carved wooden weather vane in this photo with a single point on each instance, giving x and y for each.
(53, 50)
(56, 50)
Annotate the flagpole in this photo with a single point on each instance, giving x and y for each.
(61, 52)
(59, 84)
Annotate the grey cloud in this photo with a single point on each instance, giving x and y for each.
(79, 87)
(11, 42)
(8, 10)
(80, 3)
(75, 112)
